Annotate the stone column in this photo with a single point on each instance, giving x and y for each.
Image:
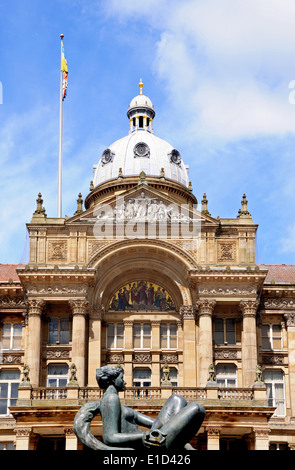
(156, 379)
(187, 313)
(261, 437)
(206, 308)
(79, 309)
(94, 345)
(35, 308)
(128, 352)
(290, 323)
(71, 439)
(213, 435)
(249, 341)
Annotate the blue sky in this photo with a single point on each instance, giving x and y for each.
(217, 71)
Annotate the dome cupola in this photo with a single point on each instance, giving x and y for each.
(141, 112)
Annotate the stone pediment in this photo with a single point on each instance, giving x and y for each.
(142, 204)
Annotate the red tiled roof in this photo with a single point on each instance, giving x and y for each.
(281, 273)
(8, 271)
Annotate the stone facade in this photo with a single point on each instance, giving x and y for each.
(224, 325)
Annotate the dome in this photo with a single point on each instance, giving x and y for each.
(141, 100)
(140, 150)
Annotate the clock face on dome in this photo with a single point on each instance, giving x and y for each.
(107, 156)
(175, 157)
(141, 150)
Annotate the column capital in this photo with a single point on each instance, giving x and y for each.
(79, 306)
(187, 312)
(97, 312)
(205, 306)
(249, 307)
(35, 307)
(213, 431)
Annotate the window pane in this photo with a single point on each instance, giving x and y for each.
(52, 382)
(58, 369)
(146, 342)
(146, 328)
(9, 374)
(265, 337)
(14, 390)
(64, 331)
(3, 390)
(3, 406)
(53, 330)
(6, 335)
(62, 382)
(230, 331)
(218, 331)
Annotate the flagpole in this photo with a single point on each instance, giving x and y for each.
(59, 205)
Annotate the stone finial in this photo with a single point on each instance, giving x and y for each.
(91, 188)
(79, 204)
(244, 213)
(204, 205)
(142, 178)
(162, 173)
(165, 381)
(120, 173)
(40, 210)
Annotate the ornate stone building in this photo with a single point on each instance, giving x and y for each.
(143, 276)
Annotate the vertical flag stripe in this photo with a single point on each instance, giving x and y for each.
(64, 70)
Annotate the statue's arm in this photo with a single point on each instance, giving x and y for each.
(143, 420)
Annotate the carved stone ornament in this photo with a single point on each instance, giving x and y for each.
(57, 250)
(249, 307)
(57, 353)
(227, 290)
(79, 306)
(35, 307)
(115, 358)
(226, 354)
(226, 251)
(290, 318)
(107, 157)
(187, 312)
(205, 306)
(143, 208)
(169, 358)
(56, 289)
(279, 303)
(7, 358)
(141, 149)
(12, 302)
(142, 358)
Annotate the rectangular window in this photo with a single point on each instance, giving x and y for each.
(115, 336)
(59, 331)
(168, 335)
(142, 335)
(271, 337)
(225, 331)
(275, 390)
(12, 336)
(9, 382)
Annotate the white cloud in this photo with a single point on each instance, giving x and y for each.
(226, 64)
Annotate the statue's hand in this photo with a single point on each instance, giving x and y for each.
(154, 438)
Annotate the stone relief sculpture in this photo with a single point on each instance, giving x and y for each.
(176, 424)
(142, 208)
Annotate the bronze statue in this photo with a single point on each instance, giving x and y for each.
(176, 424)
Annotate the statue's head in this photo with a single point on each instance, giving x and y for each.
(110, 375)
